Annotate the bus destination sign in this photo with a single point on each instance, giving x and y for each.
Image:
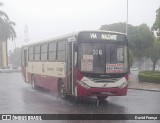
(105, 36)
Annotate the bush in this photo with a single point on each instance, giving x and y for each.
(149, 76)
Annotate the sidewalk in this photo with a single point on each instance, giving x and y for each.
(134, 83)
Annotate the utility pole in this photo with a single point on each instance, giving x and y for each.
(127, 20)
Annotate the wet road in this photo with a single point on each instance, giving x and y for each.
(18, 97)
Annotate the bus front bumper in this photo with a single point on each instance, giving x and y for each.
(93, 91)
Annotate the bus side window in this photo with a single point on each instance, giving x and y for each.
(37, 53)
(31, 54)
(52, 51)
(61, 51)
(44, 49)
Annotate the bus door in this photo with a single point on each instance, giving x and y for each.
(25, 65)
(70, 66)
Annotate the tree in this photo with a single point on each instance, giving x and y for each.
(155, 52)
(155, 55)
(6, 32)
(156, 25)
(3, 14)
(15, 57)
(141, 41)
(118, 27)
(6, 27)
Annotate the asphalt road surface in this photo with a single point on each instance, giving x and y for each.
(17, 97)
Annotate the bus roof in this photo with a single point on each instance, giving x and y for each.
(69, 35)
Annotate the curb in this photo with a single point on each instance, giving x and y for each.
(143, 89)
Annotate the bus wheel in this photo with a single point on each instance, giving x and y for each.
(61, 90)
(101, 98)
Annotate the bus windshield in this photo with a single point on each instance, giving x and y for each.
(102, 57)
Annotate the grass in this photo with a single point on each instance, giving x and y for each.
(149, 76)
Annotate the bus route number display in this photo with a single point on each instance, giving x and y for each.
(114, 68)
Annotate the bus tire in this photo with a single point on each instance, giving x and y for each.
(62, 90)
(101, 98)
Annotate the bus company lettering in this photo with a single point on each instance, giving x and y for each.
(50, 69)
(104, 36)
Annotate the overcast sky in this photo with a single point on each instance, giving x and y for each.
(50, 18)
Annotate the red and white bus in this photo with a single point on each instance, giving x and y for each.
(85, 63)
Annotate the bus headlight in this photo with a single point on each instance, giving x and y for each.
(83, 84)
(123, 85)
